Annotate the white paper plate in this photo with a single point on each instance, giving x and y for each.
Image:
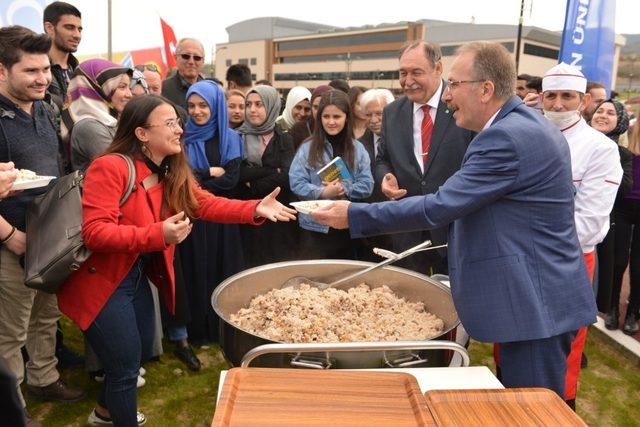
(309, 206)
(26, 184)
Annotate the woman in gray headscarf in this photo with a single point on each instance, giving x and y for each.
(268, 152)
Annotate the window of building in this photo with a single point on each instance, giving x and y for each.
(253, 61)
(356, 75)
(449, 50)
(253, 77)
(228, 63)
(544, 52)
(339, 57)
(348, 40)
(243, 61)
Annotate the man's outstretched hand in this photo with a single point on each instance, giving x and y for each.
(335, 215)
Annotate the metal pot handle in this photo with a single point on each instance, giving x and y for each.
(353, 346)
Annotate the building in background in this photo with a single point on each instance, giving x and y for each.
(289, 52)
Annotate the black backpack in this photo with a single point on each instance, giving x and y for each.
(54, 223)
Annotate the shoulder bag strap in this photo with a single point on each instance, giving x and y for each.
(10, 115)
(132, 177)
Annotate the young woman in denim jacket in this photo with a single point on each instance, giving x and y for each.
(331, 137)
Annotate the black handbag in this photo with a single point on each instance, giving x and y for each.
(54, 247)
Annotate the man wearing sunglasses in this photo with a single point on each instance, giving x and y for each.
(189, 62)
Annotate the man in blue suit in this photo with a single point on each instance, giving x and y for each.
(517, 273)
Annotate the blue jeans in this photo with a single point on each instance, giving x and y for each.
(122, 336)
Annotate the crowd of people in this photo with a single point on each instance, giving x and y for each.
(216, 167)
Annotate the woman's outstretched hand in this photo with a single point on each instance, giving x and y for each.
(273, 210)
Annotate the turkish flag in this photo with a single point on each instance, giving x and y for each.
(170, 43)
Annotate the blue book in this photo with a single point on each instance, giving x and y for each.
(335, 169)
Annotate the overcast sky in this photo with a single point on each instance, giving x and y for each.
(136, 22)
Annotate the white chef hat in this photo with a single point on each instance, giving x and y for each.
(564, 77)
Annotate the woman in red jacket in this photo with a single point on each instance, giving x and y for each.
(109, 296)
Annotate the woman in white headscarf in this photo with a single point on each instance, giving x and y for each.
(297, 109)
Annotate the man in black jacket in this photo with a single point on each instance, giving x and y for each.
(189, 62)
(420, 146)
(29, 140)
(63, 23)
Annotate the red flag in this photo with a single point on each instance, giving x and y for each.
(170, 42)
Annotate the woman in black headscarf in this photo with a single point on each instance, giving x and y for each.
(610, 118)
(268, 152)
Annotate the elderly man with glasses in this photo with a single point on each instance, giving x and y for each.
(189, 62)
(420, 146)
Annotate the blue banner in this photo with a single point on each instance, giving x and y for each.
(588, 38)
(27, 13)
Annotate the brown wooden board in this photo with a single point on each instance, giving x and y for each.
(295, 397)
(508, 407)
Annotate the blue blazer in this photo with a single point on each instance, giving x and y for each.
(517, 271)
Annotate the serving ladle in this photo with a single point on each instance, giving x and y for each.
(391, 257)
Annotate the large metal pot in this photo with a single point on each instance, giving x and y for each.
(237, 291)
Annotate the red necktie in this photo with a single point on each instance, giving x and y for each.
(425, 133)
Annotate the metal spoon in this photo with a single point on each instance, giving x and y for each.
(392, 257)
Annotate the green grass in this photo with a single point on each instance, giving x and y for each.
(608, 394)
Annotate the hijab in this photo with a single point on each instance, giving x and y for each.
(294, 97)
(137, 78)
(623, 119)
(195, 136)
(89, 94)
(319, 91)
(301, 131)
(252, 135)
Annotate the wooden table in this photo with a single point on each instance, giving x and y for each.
(332, 398)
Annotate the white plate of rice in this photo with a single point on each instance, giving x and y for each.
(309, 206)
(28, 179)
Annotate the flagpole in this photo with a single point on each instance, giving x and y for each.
(109, 50)
(519, 39)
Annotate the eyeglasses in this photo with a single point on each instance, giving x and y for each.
(172, 124)
(187, 57)
(150, 67)
(452, 84)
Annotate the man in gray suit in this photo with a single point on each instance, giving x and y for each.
(420, 146)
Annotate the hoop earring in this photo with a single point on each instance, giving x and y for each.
(145, 150)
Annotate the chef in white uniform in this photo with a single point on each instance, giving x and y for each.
(595, 161)
(596, 170)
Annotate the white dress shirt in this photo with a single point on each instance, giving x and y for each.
(376, 141)
(418, 115)
(491, 119)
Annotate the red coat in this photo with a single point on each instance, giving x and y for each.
(118, 235)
